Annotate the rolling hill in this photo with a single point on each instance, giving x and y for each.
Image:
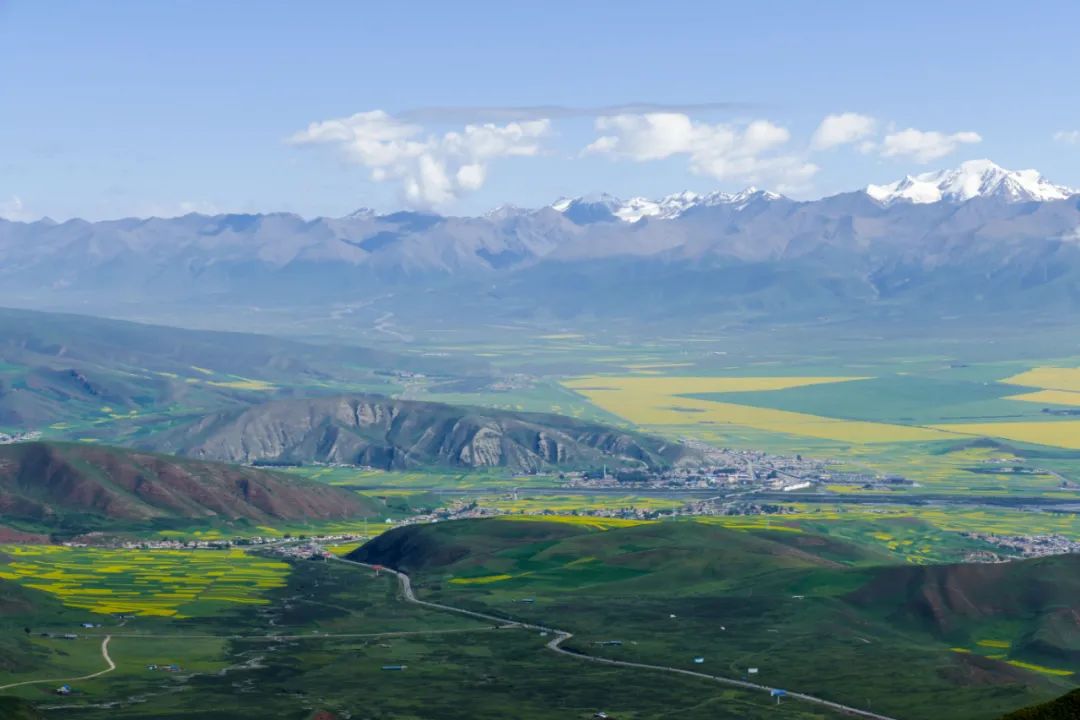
(80, 376)
(812, 613)
(12, 708)
(65, 487)
(1066, 707)
(386, 433)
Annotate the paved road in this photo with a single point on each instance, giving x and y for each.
(104, 654)
(561, 636)
(270, 637)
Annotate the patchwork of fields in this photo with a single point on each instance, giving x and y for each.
(671, 401)
(170, 583)
(917, 419)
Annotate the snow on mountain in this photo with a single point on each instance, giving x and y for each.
(975, 178)
(602, 206)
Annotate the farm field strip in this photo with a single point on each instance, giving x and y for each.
(170, 583)
(1052, 397)
(1047, 378)
(1055, 386)
(1060, 433)
(661, 401)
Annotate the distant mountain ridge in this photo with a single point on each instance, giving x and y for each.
(396, 434)
(992, 242)
(975, 178)
(601, 207)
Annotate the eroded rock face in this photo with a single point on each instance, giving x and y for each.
(394, 434)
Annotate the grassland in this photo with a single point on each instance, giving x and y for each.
(335, 626)
(810, 612)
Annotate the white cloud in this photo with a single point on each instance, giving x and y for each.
(432, 170)
(925, 146)
(14, 209)
(748, 153)
(1070, 137)
(842, 129)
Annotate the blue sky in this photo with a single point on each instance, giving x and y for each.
(135, 108)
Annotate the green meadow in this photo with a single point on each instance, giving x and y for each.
(846, 622)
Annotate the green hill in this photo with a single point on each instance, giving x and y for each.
(74, 376)
(1066, 707)
(12, 708)
(813, 614)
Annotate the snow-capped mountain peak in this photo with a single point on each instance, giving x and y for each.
(974, 178)
(609, 207)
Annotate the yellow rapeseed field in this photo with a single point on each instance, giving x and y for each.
(483, 580)
(1048, 378)
(659, 401)
(143, 582)
(1052, 397)
(594, 523)
(1040, 668)
(1062, 433)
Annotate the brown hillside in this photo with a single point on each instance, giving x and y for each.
(46, 481)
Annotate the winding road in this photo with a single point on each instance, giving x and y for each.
(562, 636)
(104, 654)
(555, 645)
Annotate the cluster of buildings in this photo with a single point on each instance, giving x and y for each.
(730, 469)
(208, 544)
(304, 551)
(1029, 545)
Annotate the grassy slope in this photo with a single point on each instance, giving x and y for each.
(1066, 707)
(77, 377)
(457, 667)
(16, 709)
(794, 604)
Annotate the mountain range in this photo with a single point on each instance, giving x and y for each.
(397, 434)
(976, 240)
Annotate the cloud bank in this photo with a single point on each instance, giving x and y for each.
(924, 146)
(842, 129)
(432, 170)
(746, 153)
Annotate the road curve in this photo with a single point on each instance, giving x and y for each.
(104, 654)
(561, 636)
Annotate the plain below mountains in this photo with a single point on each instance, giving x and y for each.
(393, 434)
(61, 486)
